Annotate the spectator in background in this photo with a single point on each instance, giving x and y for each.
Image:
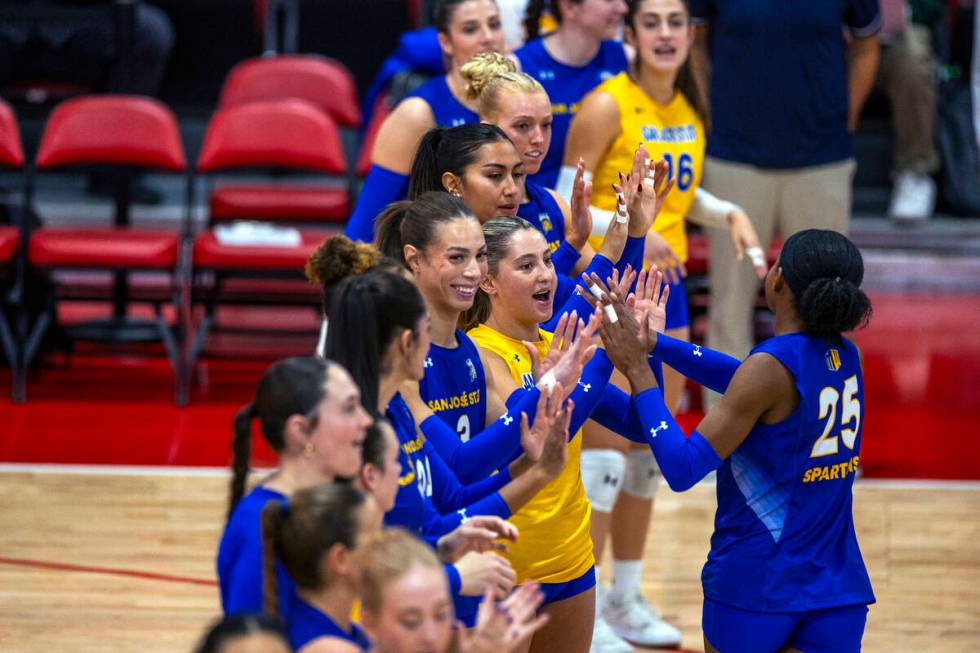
(907, 75)
(786, 89)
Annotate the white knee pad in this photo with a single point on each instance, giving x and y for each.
(642, 474)
(602, 475)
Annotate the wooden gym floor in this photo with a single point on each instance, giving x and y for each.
(120, 560)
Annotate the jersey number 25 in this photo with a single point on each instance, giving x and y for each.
(850, 418)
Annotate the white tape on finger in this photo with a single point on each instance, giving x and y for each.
(609, 310)
(757, 256)
(621, 216)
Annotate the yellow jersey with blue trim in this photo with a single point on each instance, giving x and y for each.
(671, 131)
(554, 544)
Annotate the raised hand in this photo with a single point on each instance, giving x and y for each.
(574, 350)
(477, 534)
(533, 438)
(579, 227)
(649, 303)
(506, 626)
(644, 190)
(554, 453)
(625, 339)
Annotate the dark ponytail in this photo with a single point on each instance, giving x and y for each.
(301, 530)
(448, 149)
(824, 270)
(292, 386)
(241, 451)
(442, 13)
(368, 312)
(497, 233)
(388, 230)
(535, 9)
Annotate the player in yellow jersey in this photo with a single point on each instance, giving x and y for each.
(554, 548)
(657, 105)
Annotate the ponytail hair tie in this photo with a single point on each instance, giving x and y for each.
(837, 279)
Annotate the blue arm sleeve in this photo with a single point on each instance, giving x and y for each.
(712, 369)
(455, 582)
(487, 451)
(683, 460)
(449, 495)
(615, 410)
(564, 258)
(632, 255)
(588, 391)
(381, 187)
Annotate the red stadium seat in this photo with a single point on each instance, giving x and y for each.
(320, 81)
(124, 132)
(289, 135)
(11, 259)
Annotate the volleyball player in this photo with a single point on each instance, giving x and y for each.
(315, 535)
(465, 27)
(571, 61)
(784, 572)
(311, 416)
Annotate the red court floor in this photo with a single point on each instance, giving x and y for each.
(922, 418)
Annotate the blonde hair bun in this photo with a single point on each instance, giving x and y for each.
(482, 68)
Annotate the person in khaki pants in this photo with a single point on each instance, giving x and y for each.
(785, 92)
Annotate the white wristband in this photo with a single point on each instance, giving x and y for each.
(610, 311)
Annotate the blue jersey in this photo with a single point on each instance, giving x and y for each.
(447, 110)
(240, 558)
(455, 386)
(542, 211)
(308, 623)
(566, 86)
(784, 536)
(431, 501)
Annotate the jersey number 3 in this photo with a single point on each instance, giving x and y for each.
(850, 418)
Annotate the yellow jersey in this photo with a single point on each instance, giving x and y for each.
(554, 544)
(673, 132)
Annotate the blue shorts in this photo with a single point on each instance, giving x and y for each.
(677, 315)
(554, 592)
(831, 630)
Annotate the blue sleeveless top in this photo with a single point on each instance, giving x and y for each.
(448, 111)
(308, 623)
(239, 559)
(784, 537)
(455, 386)
(567, 86)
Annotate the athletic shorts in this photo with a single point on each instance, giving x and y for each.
(554, 592)
(831, 630)
(677, 314)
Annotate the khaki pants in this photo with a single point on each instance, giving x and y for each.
(907, 75)
(783, 201)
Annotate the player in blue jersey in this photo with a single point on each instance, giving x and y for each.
(571, 61)
(784, 572)
(441, 242)
(311, 416)
(465, 27)
(379, 329)
(315, 535)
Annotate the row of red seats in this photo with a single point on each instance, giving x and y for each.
(279, 113)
